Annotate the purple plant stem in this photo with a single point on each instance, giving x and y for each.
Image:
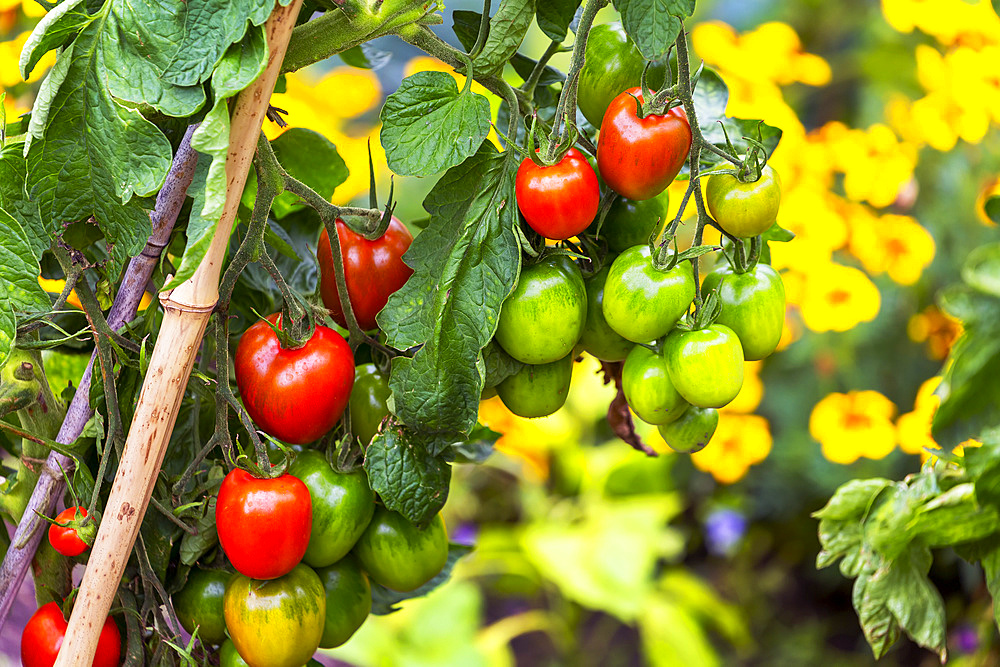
(51, 484)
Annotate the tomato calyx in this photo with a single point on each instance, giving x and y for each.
(83, 524)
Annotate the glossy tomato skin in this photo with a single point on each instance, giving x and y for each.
(613, 64)
(560, 200)
(598, 338)
(639, 157)
(543, 317)
(44, 632)
(691, 431)
(752, 305)
(263, 524)
(373, 271)
(278, 622)
(369, 401)
(642, 303)
(348, 600)
(631, 223)
(199, 604)
(342, 506)
(537, 390)
(399, 555)
(648, 389)
(65, 540)
(294, 395)
(705, 365)
(229, 656)
(744, 209)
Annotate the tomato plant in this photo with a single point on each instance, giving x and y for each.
(43, 635)
(65, 539)
(537, 390)
(692, 431)
(199, 604)
(639, 157)
(295, 394)
(399, 554)
(369, 402)
(613, 64)
(373, 270)
(558, 201)
(752, 305)
(705, 365)
(348, 600)
(598, 338)
(648, 388)
(744, 209)
(264, 524)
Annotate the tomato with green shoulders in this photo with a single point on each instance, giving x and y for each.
(692, 431)
(641, 302)
(369, 402)
(537, 390)
(752, 304)
(744, 209)
(705, 365)
(613, 64)
(400, 555)
(648, 389)
(598, 338)
(348, 600)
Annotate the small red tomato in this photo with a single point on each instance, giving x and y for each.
(44, 633)
(373, 270)
(295, 395)
(561, 200)
(263, 524)
(65, 540)
(639, 157)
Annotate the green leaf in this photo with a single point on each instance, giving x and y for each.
(365, 56)
(973, 399)
(14, 199)
(991, 567)
(981, 269)
(710, 98)
(554, 17)
(20, 292)
(507, 29)
(653, 24)
(852, 500)
(311, 158)
(407, 478)
(195, 546)
(499, 364)
(385, 600)
(466, 24)
(55, 29)
(983, 465)
(524, 65)
(465, 264)
(954, 517)
(778, 234)
(968, 305)
(428, 125)
(477, 448)
(877, 622)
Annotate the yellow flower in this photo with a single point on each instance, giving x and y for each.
(813, 214)
(874, 162)
(838, 298)
(938, 328)
(55, 286)
(739, 442)
(948, 21)
(429, 64)
(893, 244)
(523, 439)
(990, 190)
(771, 52)
(849, 426)
(751, 392)
(914, 428)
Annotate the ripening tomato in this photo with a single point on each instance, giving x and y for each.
(691, 431)
(648, 389)
(400, 555)
(639, 157)
(373, 270)
(752, 304)
(705, 365)
(744, 209)
(296, 395)
(560, 200)
(43, 635)
(65, 540)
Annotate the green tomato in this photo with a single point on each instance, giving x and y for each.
(648, 389)
(199, 604)
(400, 555)
(613, 64)
(744, 209)
(543, 317)
(642, 303)
(348, 600)
(229, 656)
(752, 305)
(369, 402)
(598, 338)
(342, 506)
(692, 431)
(705, 365)
(630, 222)
(276, 622)
(537, 390)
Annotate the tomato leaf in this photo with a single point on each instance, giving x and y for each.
(309, 157)
(14, 199)
(653, 24)
(428, 125)
(366, 56)
(54, 30)
(737, 129)
(406, 476)
(710, 97)
(499, 365)
(554, 17)
(507, 29)
(20, 292)
(385, 600)
(477, 448)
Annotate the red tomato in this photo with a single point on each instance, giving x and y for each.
(373, 270)
(264, 524)
(639, 157)
(558, 201)
(43, 635)
(65, 540)
(295, 395)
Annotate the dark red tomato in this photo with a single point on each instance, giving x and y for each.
(65, 540)
(43, 635)
(264, 524)
(561, 200)
(373, 270)
(294, 395)
(639, 157)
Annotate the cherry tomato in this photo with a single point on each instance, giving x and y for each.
(543, 317)
(348, 600)
(648, 389)
(263, 524)
(744, 209)
(705, 365)
(278, 622)
(398, 555)
(630, 222)
(598, 338)
(691, 431)
(294, 395)
(369, 401)
(560, 200)
(639, 157)
(65, 540)
(199, 604)
(373, 270)
(752, 305)
(537, 390)
(43, 635)
(342, 506)
(642, 303)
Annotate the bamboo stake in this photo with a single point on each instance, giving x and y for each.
(186, 312)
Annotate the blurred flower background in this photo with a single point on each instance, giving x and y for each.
(588, 553)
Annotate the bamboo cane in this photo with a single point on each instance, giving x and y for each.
(186, 312)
